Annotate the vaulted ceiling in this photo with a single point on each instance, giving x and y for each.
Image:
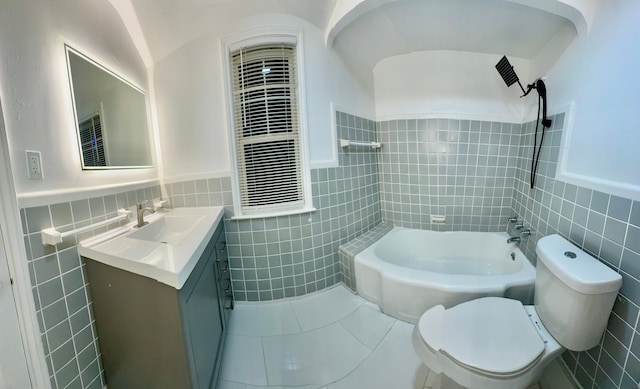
(364, 32)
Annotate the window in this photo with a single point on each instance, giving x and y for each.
(92, 142)
(267, 138)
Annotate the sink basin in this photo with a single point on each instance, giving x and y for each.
(169, 229)
(166, 249)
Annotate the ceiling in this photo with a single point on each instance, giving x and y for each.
(487, 26)
(388, 28)
(168, 25)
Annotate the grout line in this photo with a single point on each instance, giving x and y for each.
(264, 360)
(66, 306)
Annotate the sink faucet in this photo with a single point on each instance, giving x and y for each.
(140, 212)
(514, 239)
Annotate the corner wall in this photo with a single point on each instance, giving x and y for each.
(192, 106)
(38, 113)
(597, 72)
(604, 225)
(35, 91)
(287, 256)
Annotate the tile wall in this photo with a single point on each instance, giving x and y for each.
(202, 193)
(273, 258)
(604, 225)
(59, 285)
(460, 169)
(350, 249)
(474, 173)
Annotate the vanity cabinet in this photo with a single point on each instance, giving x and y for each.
(154, 336)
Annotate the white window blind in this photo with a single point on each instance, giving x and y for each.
(92, 141)
(267, 137)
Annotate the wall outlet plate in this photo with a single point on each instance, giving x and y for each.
(34, 165)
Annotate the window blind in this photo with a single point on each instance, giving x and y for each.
(92, 142)
(265, 108)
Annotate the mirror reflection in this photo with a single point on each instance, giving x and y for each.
(111, 116)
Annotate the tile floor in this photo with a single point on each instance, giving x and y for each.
(332, 339)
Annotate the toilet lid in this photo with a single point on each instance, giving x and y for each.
(490, 334)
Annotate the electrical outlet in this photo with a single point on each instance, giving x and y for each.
(34, 165)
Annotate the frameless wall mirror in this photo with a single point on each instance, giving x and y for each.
(111, 116)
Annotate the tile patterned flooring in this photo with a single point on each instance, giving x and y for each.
(332, 339)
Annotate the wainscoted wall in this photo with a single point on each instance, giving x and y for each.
(59, 285)
(606, 226)
(288, 256)
(474, 173)
(202, 193)
(460, 169)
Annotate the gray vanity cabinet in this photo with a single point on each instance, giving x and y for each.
(153, 336)
(203, 324)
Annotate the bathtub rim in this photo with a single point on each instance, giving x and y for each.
(399, 273)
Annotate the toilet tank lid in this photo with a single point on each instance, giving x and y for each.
(577, 269)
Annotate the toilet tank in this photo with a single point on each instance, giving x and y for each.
(574, 293)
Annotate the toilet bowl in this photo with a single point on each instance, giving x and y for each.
(498, 343)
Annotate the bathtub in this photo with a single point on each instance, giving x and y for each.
(409, 271)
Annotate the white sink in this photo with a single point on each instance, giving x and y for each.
(169, 229)
(167, 249)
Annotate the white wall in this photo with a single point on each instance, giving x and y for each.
(34, 87)
(191, 99)
(449, 84)
(598, 72)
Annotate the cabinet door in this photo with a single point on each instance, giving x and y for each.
(204, 325)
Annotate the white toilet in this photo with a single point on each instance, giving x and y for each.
(497, 343)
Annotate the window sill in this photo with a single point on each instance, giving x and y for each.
(275, 214)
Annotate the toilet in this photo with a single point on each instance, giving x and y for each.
(499, 343)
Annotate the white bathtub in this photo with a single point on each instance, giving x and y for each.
(409, 271)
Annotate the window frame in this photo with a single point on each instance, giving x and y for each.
(103, 138)
(265, 36)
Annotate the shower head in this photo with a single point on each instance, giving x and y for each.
(510, 77)
(507, 73)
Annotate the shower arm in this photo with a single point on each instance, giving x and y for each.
(530, 87)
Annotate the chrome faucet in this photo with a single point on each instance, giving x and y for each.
(140, 212)
(514, 239)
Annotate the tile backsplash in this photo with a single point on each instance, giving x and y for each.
(59, 284)
(459, 169)
(607, 227)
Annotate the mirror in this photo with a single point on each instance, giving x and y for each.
(111, 116)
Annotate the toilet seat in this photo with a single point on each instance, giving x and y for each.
(491, 336)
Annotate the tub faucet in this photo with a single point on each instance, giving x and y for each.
(514, 239)
(140, 212)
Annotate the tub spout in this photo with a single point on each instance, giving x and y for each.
(514, 239)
